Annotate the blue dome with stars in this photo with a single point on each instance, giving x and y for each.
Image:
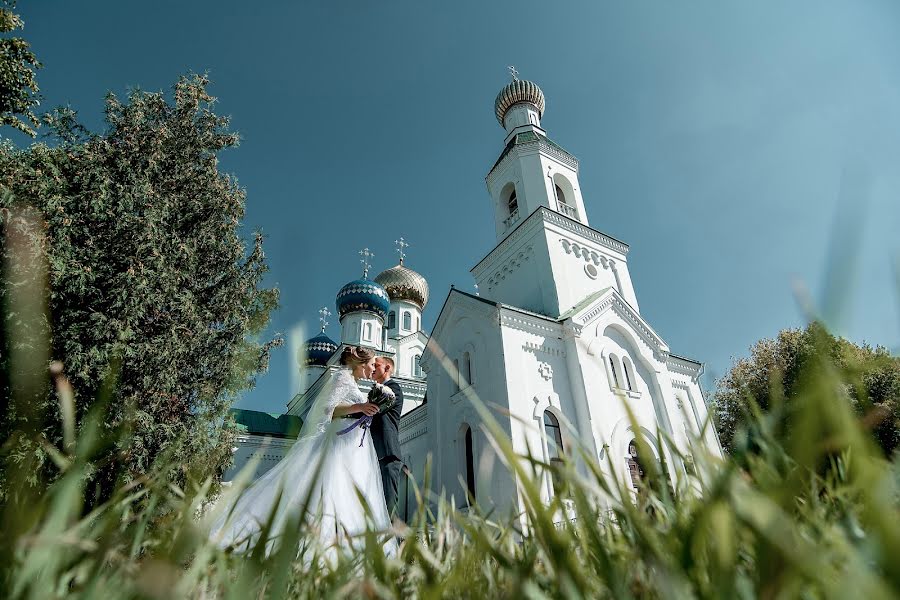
(318, 350)
(363, 295)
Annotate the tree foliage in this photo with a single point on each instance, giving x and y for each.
(154, 298)
(776, 370)
(18, 84)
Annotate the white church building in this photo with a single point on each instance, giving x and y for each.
(553, 337)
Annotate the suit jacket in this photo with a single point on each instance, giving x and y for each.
(385, 428)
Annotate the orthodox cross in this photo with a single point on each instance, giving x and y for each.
(366, 255)
(401, 247)
(513, 72)
(324, 313)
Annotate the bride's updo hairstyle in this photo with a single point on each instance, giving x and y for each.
(356, 355)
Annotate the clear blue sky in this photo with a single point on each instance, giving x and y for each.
(713, 137)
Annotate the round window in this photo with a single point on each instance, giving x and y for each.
(591, 271)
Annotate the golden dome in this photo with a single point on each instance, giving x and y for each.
(517, 91)
(402, 283)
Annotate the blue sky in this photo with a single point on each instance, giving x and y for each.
(745, 150)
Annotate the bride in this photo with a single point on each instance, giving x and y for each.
(328, 470)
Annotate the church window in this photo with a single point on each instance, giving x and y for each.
(554, 447)
(407, 320)
(634, 466)
(418, 324)
(612, 368)
(392, 320)
(513, 203)
(564, 206)
(470, 464)
(367, 335)
(417, 367)
(465, 370)
(629, 374)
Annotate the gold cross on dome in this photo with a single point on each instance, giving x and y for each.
(401, 248)
(324, 313)
(513, 72)
(366, 255)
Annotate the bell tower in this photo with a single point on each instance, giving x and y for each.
(532, 170)
(548, 259)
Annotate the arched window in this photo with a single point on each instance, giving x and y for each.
(407, 320)
(565, 207)
(367, 332)
(470, 465)
(634, 466)
(612, 368)
(560, 197)
(512, 203)
(554, 447)
(465, 370)
(392, 320)
(629, 373)
(417, 366)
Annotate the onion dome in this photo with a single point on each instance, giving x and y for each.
(403, 283)
(362, 295)
(319, 349)
(518, 90)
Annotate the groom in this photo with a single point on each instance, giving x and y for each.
(385, 435)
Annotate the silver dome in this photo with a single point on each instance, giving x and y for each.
(402, 283)
(517, 91)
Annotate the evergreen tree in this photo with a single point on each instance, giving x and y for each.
(150, 285)
(18, 85)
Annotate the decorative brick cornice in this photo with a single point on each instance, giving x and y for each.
(584, 231)
(540, 217)
(509, 266)
(543, 348)
(414, 424)
(527, 323)
(520, 149)
(683, 367)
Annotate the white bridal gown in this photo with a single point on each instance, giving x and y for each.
(334, 508)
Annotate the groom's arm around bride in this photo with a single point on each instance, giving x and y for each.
(386, 435)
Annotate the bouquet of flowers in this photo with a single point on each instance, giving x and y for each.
(380, 395)
(383, 396)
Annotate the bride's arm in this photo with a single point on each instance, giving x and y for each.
(366, 408)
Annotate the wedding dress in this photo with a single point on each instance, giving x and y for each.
(346, 471)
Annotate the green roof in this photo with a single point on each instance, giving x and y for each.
(581, 305)
(262, 423)
(527, 137)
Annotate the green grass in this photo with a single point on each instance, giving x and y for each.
(814, 515)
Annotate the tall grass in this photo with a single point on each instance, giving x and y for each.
(815, 515)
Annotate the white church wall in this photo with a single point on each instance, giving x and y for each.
(469, 325)
(584, 262)
(538, 380)
(270, 450)
(513, 272)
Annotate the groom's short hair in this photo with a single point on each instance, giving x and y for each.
(388, 360)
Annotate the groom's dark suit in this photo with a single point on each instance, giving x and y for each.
(386, 439)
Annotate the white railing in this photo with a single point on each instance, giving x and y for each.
(567, 210)
(512, 218)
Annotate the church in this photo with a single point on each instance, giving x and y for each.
(553, 341)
